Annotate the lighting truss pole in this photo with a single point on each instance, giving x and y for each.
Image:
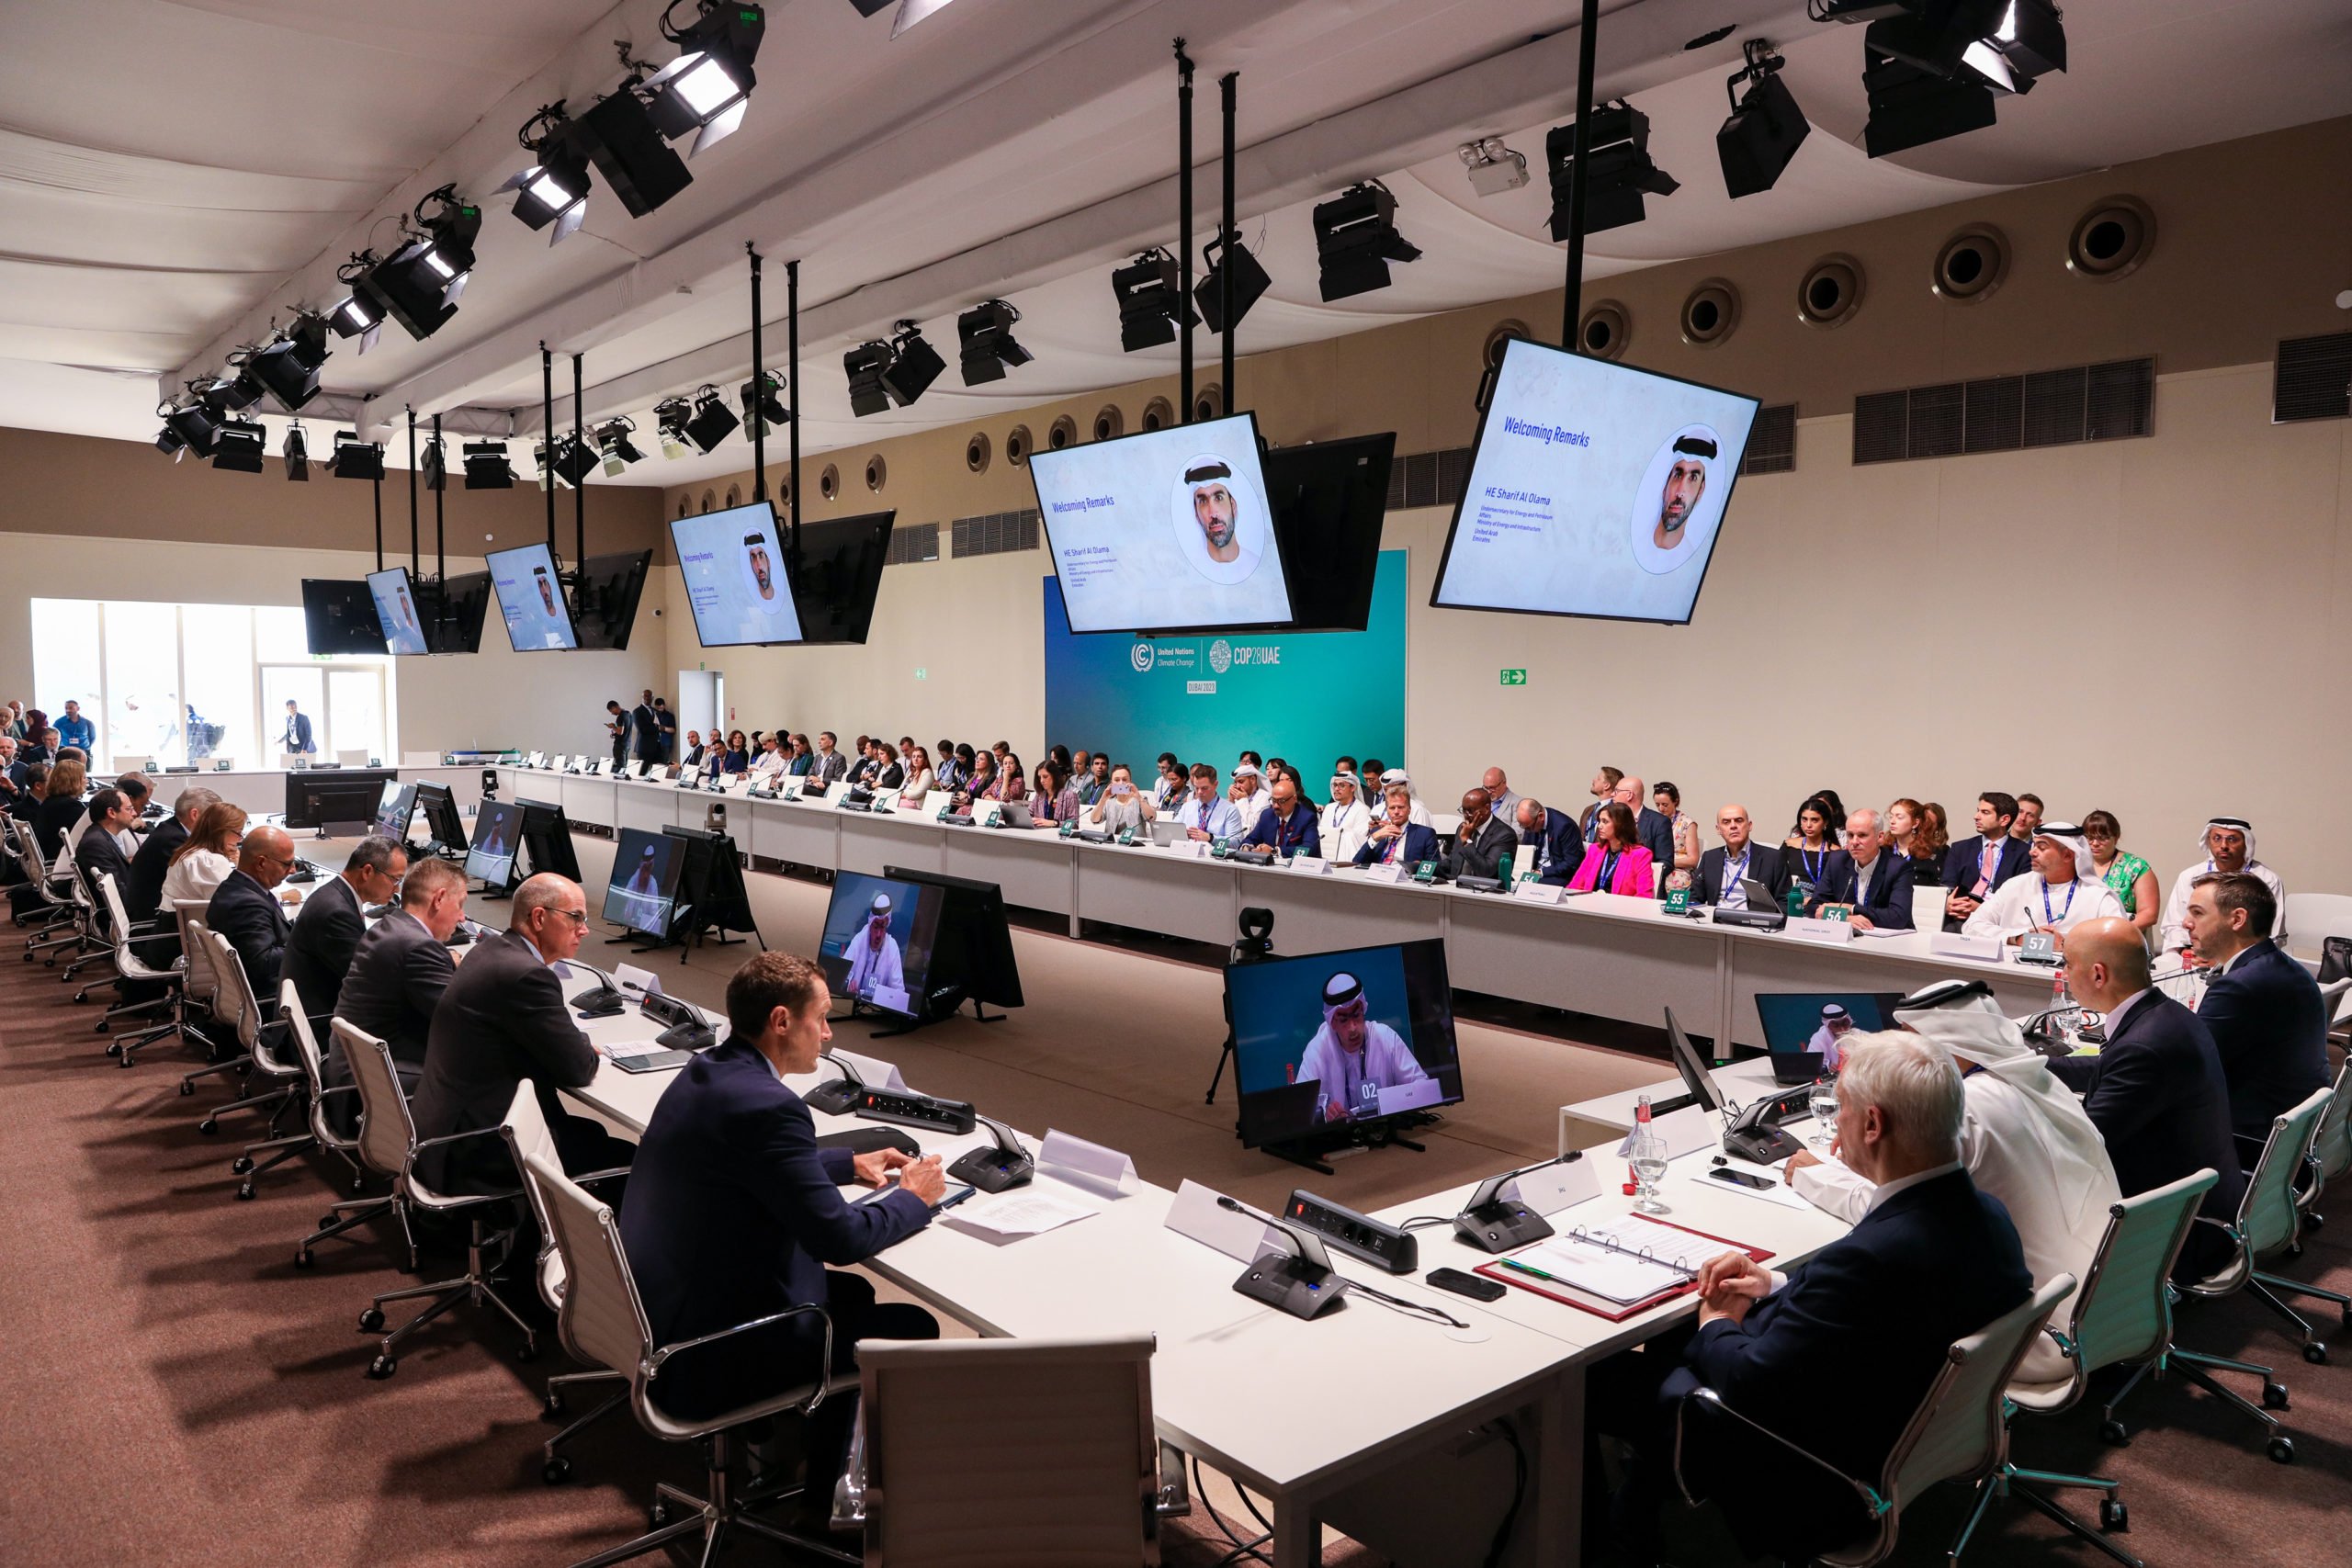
(1580, 178)
(1185, 223)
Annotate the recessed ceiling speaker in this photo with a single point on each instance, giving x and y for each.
(829, 483)
(1208, 403)
(1830, 292)
(2112, 238)
(1018, 444)
(1605, 331)
(1711, 314)
(1062, 432)
(977, 452)
(1109, 422)
(1971, 265)
(1159, 414)
(877, 472)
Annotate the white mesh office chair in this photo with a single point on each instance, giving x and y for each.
(131, 966)
(955, 1436)
(388, 1144)
(353, 1210)
(1959, 1433)
(527, 1135)
(279, 1079)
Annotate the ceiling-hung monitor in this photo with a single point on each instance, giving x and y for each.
(603, 602)
(531, 598)
(1328, 499)
(1169, 531)
(454, 610)
(737, 585)
(1595, 490)
(339, 617)
(398, 611)
(840, 573)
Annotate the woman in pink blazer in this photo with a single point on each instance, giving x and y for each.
(1614, 862)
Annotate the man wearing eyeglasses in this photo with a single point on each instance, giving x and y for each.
(504, 1020)
(245, 909)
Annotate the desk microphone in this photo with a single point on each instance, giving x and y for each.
(1300, 1282)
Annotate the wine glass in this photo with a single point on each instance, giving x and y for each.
(1824, 1105)
(1648, 1157)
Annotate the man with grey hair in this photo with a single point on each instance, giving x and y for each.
(1873, 1314)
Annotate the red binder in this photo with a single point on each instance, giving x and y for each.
(1554, 1289)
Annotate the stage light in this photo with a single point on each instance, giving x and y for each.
(1356, 238)
(669, 417)
(1494, 168)
(289, 365)
(704, 90)
(865, 364)
(242, 446)
(418, 285)
(1766, 127)
(619, 450)
(434, 464)
(1151, 301)
(193, 428)
(552, 193)
(1619, 171)
(763, 410)
(486, 466)
(1249, 281)
(297, 454)
(712, 421)
(984, 334)
(914, 363)
(355, 458)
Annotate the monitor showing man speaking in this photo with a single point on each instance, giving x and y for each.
(1340, 1040)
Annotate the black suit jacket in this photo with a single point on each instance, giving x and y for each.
(1479, 855)
(143, 895)
(1885, 903)
(733, 1213)
(253, 919)
(1766, 863)
(1931, 1264)
(502, 1020)
(2269, 1028)
(319, 946)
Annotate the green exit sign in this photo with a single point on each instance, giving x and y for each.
(1514, 677)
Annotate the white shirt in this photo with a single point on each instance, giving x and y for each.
(2175, 924)
(2018, 905)
(1343, 830)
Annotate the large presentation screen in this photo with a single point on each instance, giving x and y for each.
(734, 568)
(1595, 490)
(1166, 531)
(530, 596)
(396, 609)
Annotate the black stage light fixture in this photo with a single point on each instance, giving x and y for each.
(712, 421)
(552, 193)
(193, 428)
(243, 445)
(1249, 281)
(486, 466)
(1151, 301)
(985, 335)
(418, 285)
(355, 458)
(618, 449)
(1910, 107)
(914, 363)
(434, 464)
(297, 454)
(620, 137)
(670, 416)
(1620, 171)
(289, 365)
(704, 90)
(865, 364)
(1356, 238)
(763, 410)
(1766, 127)
(575, 460)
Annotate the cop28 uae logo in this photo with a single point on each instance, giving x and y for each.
(1220, 655)
(1140, 656)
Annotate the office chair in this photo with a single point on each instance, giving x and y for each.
(389, 1146)
(943, 1422)
(353, 1211)
(602, 1314)
(280, 1078)
(130, 965)
(1958, 1432)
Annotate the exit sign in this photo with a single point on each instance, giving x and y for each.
(1514, 678)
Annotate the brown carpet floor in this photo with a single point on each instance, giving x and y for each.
(173, 1391)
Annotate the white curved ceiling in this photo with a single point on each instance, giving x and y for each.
(174, 173)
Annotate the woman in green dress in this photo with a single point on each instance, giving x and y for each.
(2134, 881)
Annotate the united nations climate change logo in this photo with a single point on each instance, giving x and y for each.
(1220, 655)
(1140, 657)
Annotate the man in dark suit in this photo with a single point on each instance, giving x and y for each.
(2155, 1090)
(2263, 1009)
(1552, 837)
(1722, 868)
(398, 973)
(734, 1210)
(1482, 841)
(296, 736)
(1974, 867)
(245, 909)
(1872, 885)
(504, 1020)
(328, 928)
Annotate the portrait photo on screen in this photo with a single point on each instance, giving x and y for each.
(879, 934)
(1336, 1038)
(1594, 489)
(498, 829)
(530, 597)
(1166, 531)
(733, 564)
(644, 886)
(396, 609)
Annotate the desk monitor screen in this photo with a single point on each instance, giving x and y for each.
(1165, 531)
(393, 809)
(1372, 1028)
(1799, 1022)
(1594, 489)
(733, 564)
(644, 884)
(530, 597)
(879, 936)
(498, 829)
(396, 611)
(339, 618)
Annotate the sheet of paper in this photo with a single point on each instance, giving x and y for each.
(1021, 1213)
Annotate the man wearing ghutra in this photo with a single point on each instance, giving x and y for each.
(2228, 843)
(1353, 1057)
(2065, 891)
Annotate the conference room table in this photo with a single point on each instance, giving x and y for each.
(1355, 1418)
(1601, 954)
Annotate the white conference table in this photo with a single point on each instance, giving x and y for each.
(1601, 954)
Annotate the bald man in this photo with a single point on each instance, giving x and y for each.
(248, 909)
